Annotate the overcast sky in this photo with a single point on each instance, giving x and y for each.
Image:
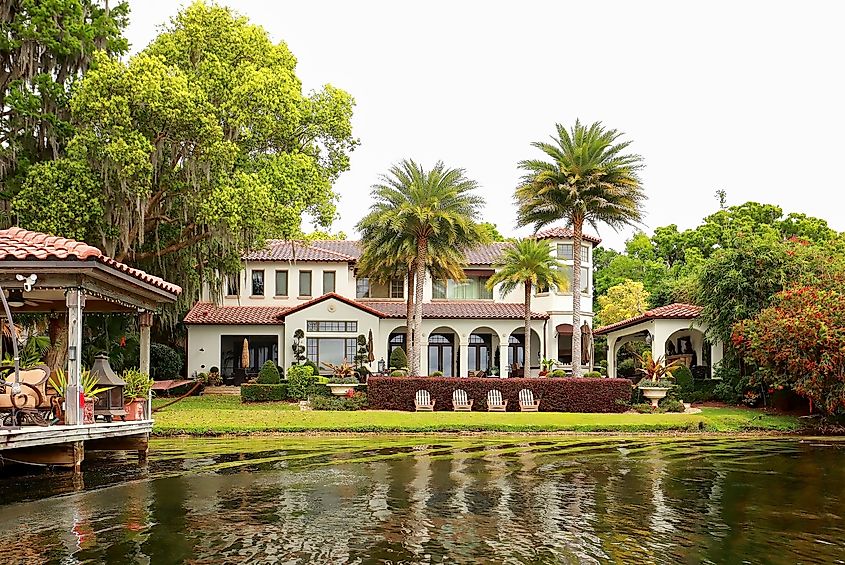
(741, 96)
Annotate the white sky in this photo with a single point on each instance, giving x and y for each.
(742, 96)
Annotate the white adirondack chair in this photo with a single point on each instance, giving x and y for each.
(527, 402)
(495, 403)
(423, 401)
(460, 401)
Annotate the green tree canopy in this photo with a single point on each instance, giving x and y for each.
(622, 301)
(200, 146)
(45, 47)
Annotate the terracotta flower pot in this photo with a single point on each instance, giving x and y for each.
(135, 409)
(88, 411)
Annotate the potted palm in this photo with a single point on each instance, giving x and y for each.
(657, 376)
(546, 366)
(135, 393)
(342, 380)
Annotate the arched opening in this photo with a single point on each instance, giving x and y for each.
(482, 346)
(564, 343)
(516, 352)
(691, 348)
(441, 353)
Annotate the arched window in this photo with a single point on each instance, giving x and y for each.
(441, 355)
(479, 352)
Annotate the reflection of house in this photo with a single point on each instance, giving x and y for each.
(314, 287)
(673, 331)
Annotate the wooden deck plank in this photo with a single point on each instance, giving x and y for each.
(31, 436)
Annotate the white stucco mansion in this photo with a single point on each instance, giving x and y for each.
(314, 287)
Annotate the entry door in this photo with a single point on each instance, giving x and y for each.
(441, 355)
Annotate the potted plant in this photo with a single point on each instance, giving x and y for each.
(58, 382)
(135, 393)
(214, 377)
(89, 387)
(657, 376)
(342, 379)
(546, 366)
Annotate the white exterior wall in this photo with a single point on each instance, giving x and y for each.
(344, 283)
(204, 342)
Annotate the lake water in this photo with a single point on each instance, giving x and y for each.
(438, 500)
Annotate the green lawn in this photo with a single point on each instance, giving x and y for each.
(226, 415)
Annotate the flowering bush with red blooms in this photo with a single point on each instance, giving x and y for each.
(799, 342)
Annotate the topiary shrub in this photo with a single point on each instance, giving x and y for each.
(165, 362)
(315, 370)
(593, 375)
(363, 372)
(398, 373)
(437, 374)
(398, 359)
(302, 383)
(683, 381)
(269, 374)
(627, 369)
(558, 374)
(264, 393)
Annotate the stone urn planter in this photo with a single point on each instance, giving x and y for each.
(654, 393)
(342, 389)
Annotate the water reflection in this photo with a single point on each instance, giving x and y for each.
(424, 500)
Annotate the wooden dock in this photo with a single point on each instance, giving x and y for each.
(65, 446)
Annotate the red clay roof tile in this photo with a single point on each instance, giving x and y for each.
(208, 313)
(560, 232)
(677, 311)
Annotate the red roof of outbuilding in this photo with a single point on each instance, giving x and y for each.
(677, 311)
(20, 244)
(560, 232)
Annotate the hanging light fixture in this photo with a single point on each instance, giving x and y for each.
(15, 298)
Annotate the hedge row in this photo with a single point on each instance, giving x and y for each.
(555, 395)
(254, 392)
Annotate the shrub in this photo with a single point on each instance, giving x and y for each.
(627, 369)
(165, 362)
(643, 408)
(358, 401)
(264, 392)
(557, 374)
(268, 374)
(683, 381)
(315, 370)
(555, 395)
(342, 380)
(437, 374)
(592, 375)
(703, 390)
(301, 382)
(671, 405)
(398, 373)
(363, 372)
(398, 359)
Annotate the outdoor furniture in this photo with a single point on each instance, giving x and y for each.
(527, 402)
(35, 401)
(495, 403)
(423, 401)
(517, 371)
(460, 401)
(480, 374)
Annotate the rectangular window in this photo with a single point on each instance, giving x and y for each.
(585, 253)
(397, 288)
(332, 350)
(315, 326)
(233, 285)
(564, 251)
(329, 281)
(258, 283)
(304, 283)
(362, 287)
(585, 279)
(473, 288)
(281, 283)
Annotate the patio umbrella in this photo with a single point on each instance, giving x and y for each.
(245, 355)
(586, 344)
(370, 356)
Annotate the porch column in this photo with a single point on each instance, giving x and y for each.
(611, 356)
(463, 370)
(75, 300)
(145, 321)
(503, 356)
(423, 355)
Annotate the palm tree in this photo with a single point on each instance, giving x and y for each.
(588, 177)
(529, 263)
(433, 211)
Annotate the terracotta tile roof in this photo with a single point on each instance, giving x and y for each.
(349, 247)
(486, 254)
(208, 313)
(677, 311)
(560, 232)
(20, 244)
(280, 250)
(353, 303)
(471, 309)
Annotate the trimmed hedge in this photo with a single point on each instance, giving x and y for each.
(254, 392)
(555, 395)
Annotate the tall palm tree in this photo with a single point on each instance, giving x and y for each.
(529, 263)
(588, 177)
(435, 211)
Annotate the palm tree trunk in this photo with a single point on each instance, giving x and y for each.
(409, 309)
(577, 236)
(421, 261)
(527, 369)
